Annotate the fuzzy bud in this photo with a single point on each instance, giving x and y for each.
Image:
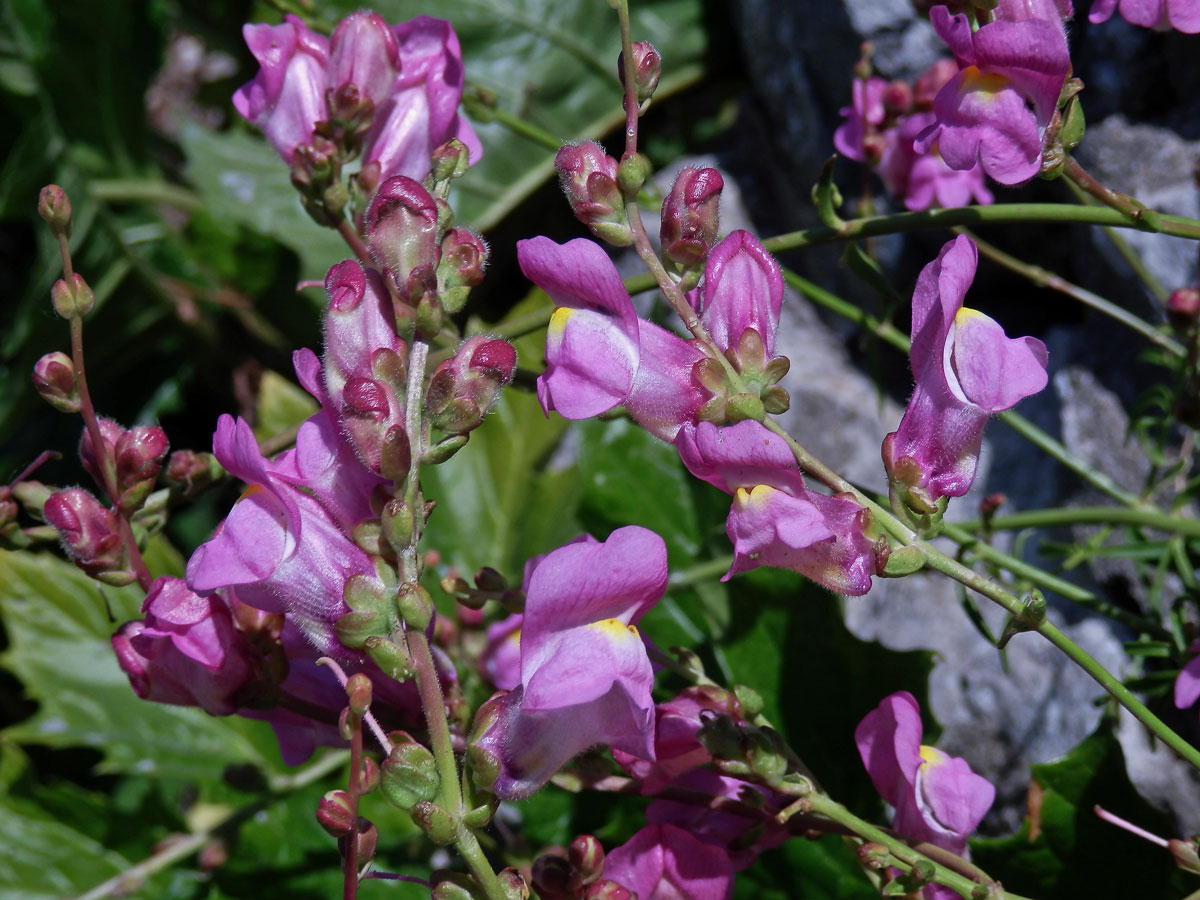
(450, 160)
(415, 605)
(464, 256)
(588, 177)
(54, 378)
(139, 455)
(690, 215)
(89, 533)
(55, 207)
(897, 98)
(586, 854)
(647, 69)
(1183, 308)
(402, 228)
(335, 812)
(466, 386)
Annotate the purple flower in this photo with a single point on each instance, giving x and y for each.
(743, 288)
(965, 368)
(1187, 684)
(187, 652)
(996, 108)
(864, 116)
(286, 99)
(585, 675)
(1182, 15)
(500, 662)
(937, 797)
(278, 544)
(774, 519)
(599, 354)
(410, 73)
(924, 180)
(663, 862)
(89, 531)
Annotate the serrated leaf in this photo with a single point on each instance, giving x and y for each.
(58, 628)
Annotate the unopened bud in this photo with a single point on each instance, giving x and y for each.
(391, 657)
(415, 605)
(608, 890)
(450, 160)
(452, 885)
(588, 177)
(402, 228)
(358, 691)
(690, 215)
(367, 841)
(353, 628)
(335, 812)
(647, 69)
(464, 387)
(54, 378)
(194, 471)
(55, 207)
(97, 460)
(897, 98)
(632, 174)
(139, 455)
(369, 776)
(554, 877)
(874, 856)
(464, 256)
(88, 531)
(72, 298)
(1183, 308)
(512, 884)
(930, 83)
(1185, 855)
(586, 854)
(398, 524)
(435, 821)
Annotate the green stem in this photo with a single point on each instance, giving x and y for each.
(831, 809)
(136, 190)
(1090, 515)
(1047, 279)
(999, 214)
(526, 129)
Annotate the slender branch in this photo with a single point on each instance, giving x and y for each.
(1089, 515)
(350, 857)
(629, 71)
(129, 880)
(137, 190)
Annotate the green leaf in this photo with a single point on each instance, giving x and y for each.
(825, 869)
(1065, 851)
(788, 642)
(58, 628)
(281, 405)
(497, 502)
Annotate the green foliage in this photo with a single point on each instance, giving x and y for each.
(1065, 851)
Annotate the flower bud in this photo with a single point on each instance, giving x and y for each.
(465, 387)
(588, 177)
(54, 378)
(874, 856)
(402, 228)
(74, 298)
(554, 877)
(1183, 308)
(927, 86)
(139, 454)
(367, 840)
(512, 884)
(647, 69)
(608, 890)
(897, 98)
(55, 207)
(464, 255)
(690, 215)
(97, 460)
(335, 812)
(435, 821)
(450, 885)
(415, 605)
(358, 692)
(194, 471)
(586, 854)
(391, 657)
(370, 776)
(88, 531)
(450, 160)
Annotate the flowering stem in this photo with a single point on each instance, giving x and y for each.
(350, 860)
(1080, 515)
(629, 66)
(904, 855)
(1042, 277)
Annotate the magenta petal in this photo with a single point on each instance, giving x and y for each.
(579, 275)
(1101, 11)
(663, 862)
(247, 549)
(1031, 54)
(889, 742)
(951, 794)
(1187, 684)
(937, 298)
(956, 32)
(363, 52)
(590, 364)
(741, 455)
(664, 396)
(990, 369)
(743, 288)
(582, 664)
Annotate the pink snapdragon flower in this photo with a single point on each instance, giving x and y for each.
(742, 289)
(279, 545)
(883, 136)
(966, 368)
(664, 862)
(411, 74)
(1182, 15)
(187, 651)
(585, 675)
(937, 798)
(995, 110)
(775, 520)
(1187, 683)
(599, 354)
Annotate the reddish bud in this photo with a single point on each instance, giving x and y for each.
(54, 378)
(897, 98)
(588, 177)
(1183, 308)
(55, 207)
(464, 387)
(335, 812)
(139, 455)
(195, 471)
(450, 160)
(97, 460)
(464, 256)
(608, 890)
(358, 690)
(586, 854)
(402, 228)
(647, 69)
(554, 877)
(88, 530)
(690, 215)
